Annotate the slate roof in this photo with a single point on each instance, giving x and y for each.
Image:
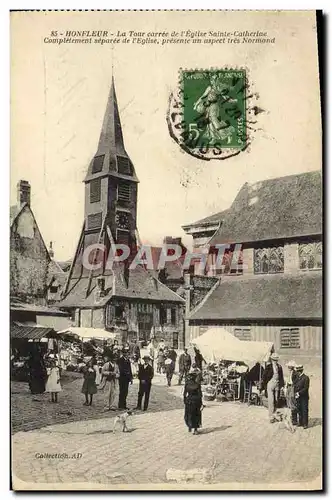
(30, 332)
(111, 143)
(142, 285)
(55, 273)
(277, 296)
(277, 208)
(64, 265)
(17, 305)
(209, 220)
(14, 211)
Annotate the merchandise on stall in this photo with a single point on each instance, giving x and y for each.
(234, 367)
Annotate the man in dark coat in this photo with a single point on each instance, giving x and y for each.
(145, 376)
(301, 389)
(198, 358)
(184, 365)
(125, 378)
(170, 356)
(273, 381)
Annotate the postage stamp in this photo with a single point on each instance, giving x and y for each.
(209, 115)
(214, 108)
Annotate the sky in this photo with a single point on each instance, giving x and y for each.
(59, 95)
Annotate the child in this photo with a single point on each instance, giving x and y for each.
(160, 361)
(53, 381)
(89, 387)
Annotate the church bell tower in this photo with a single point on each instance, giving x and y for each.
(111, 182)
(110, 208)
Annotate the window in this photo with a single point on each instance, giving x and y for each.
(124, 166)
(119, 312)
(173, 316)
(94, 221)
(269, 260)
(163, 315)
(54, 288)
(148, 308)
(290, 338)
(242, 333)
(124, 191)
(175, 340)
(97, 165)
(311, 255)
(95, 188)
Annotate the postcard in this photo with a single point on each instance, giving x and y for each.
(166, 328)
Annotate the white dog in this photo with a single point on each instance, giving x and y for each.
(285, 415)
(122, 420)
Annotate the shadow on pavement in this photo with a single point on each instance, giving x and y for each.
(208, 430)
(315, 422)
(110, 431)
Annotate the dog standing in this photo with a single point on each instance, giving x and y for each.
(122, 420)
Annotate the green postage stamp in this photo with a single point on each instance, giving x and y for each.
(214, 108)
(208, 114)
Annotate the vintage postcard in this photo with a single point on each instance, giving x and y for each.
(166, 250)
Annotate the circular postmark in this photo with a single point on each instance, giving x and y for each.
(210, 114)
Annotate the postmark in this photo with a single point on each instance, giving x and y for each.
(209, 115)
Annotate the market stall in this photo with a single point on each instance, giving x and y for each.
(78, 343)
(25, 338)
(233, 367)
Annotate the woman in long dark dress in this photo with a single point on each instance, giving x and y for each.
(37, 373)
(193, 403)
(89, 387)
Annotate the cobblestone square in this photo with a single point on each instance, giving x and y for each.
(236, 444)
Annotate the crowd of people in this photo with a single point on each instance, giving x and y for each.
(120, 364)
(295, 387)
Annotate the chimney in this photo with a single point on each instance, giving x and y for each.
(50, 250)
(169, 240)
(23, 193)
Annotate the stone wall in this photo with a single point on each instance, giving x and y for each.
(29, 260)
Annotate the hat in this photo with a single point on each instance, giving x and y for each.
(274, 356)
(299, 367)
(291, 364)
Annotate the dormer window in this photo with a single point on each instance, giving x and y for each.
(97, 165)
(124, 166)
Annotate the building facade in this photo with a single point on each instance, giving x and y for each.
(129, 300)
(271, 287)
(34, 275)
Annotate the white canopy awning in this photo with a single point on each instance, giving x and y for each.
(217, 344)
(89, 333)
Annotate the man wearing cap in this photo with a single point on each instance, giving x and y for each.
(125, 378)
(290, 395)
(145, 376)
(301, 389)
(273, 381)
(184, 365)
